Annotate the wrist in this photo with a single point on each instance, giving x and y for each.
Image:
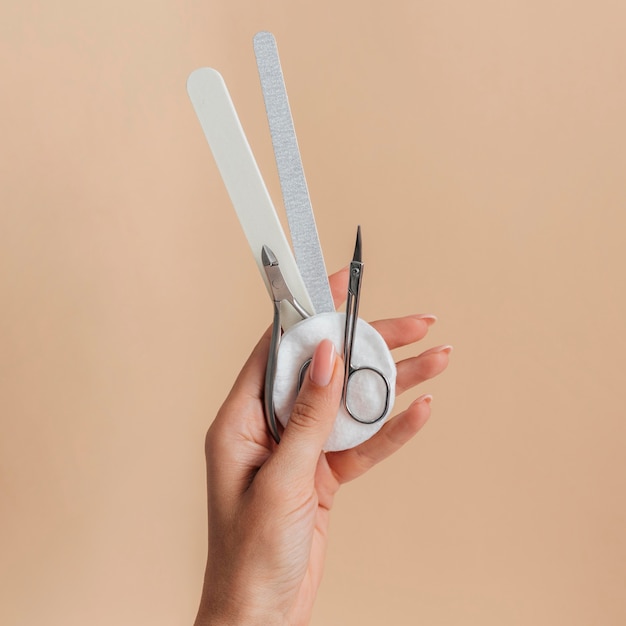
(212, 616)
(229, 609)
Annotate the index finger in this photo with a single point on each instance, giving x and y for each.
(339, 285)
(401, 331)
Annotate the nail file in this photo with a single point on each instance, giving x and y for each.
(243, 180)
(304, 236)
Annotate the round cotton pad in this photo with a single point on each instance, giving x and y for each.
(369, 350)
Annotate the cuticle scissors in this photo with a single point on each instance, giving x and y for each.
(350, 370)
(352, 316)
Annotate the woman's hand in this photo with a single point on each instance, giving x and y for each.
(269, 504)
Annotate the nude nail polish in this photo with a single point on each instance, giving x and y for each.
(323, 363)
(447, 349)
(427, 317)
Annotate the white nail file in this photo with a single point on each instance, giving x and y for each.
(243, 180)
(304, 237)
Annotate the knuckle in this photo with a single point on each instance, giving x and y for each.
(364, 460)
(210, 446)
(214, 439)
(270, 489)
(304, 413)
(211, 439)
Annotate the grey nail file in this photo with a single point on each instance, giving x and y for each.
(304, 237)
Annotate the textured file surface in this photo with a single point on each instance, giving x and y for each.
(304, 237)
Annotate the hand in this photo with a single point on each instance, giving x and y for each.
(269, 504)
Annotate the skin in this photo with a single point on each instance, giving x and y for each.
(269, 505)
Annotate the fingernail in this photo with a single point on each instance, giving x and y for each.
(447, 349)
(323, 363)
(425, 398)
(427, 317)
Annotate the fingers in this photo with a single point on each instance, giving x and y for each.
(252, 375)
(401, 331)
(242, 411)
(312, 417)
(339, 285)
(417, 369)
(396, 332)
(350, 464)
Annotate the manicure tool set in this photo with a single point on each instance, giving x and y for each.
(304, 312)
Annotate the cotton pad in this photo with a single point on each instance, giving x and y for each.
(369, 350)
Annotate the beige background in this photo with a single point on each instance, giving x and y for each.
(482, 148)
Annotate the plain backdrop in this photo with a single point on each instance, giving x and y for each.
(481, 146)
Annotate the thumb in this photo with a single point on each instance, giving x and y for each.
(313, 413)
